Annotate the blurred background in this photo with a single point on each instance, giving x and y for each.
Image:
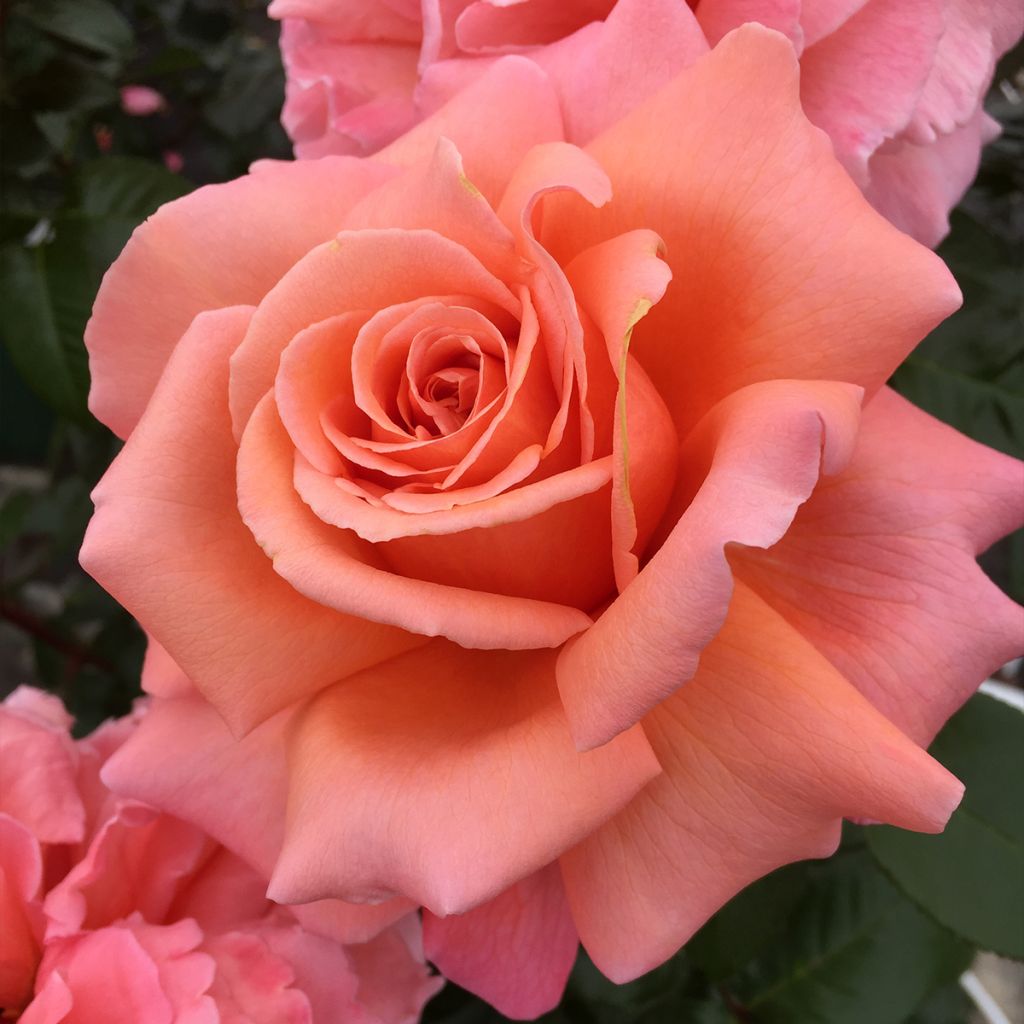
(110, 109)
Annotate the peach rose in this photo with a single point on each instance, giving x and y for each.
(898, 86)
(102, 895)
(437, 490)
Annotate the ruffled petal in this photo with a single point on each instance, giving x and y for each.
(366, 818)
(764, 751)
(222, 245)
(738, 191)
(170, 545)
(862, 83)
(878, 569)
(336, 569)
(244, 811)
(21, 875)
(515, 951)
(743, 472)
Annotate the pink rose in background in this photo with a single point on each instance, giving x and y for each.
(141, 100)
(114, 912)
(526, 532)
(897, 84)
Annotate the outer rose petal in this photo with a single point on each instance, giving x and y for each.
(131, 973)
(21, 874)
(244, 811)
(171, 546)
(861, 83)
(490, 146)
(515, 951)
(915, 187)
(878, 569)
(719, 17)
(222, 245)
(743, 472)
(739, 191)
(605, 70)
(38, 763)
(366, 818)
(764, 751)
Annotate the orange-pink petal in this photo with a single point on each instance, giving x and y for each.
(367, 818)
(764, 752)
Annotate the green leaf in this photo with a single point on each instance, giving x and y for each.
(851, 950)
(126, 186)
(94, 24)
(47, 291)
(971, 877)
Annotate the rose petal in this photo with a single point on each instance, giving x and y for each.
(337, 569)
(344, 275)
(222, 245)
(861, 83)
(878, 569)
(915, 187)
(764, 751)
(602, 72)
(38, 762)
(515, 951)
(21, 875)
(244, 811)
(739, 191)
(490, 146)
(170, 546)
(617, 282)
(748, 466)
(719, 17)
(516, 791)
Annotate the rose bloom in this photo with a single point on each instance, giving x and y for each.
(114, 912)
(526, 532)
(898, 86)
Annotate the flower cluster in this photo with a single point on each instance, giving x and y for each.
(113, 911)
(519, 516)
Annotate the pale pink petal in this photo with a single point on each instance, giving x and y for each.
(135, 862)
(244, 811)
(221, 245)
(739, 192)
(394, 982)
(515, 951)
(356, 19)
(38, 765)
(977, 32)
(161, 675)
(171, 547)
(603, 71)
(719, 17)
(878, 569)
(485, 25)
(743, 472)
(367, 819)
(915, 186)
(490, 146)
(861, 83)
(21, 875)
(764, 751)
(253, 985)
(820, 18)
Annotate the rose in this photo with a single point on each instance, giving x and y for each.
(691, 604)
(897, 86)
(101, 894)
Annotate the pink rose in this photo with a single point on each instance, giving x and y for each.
(446, 470)
(898, 86)
(141, 100)
(101, 895)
